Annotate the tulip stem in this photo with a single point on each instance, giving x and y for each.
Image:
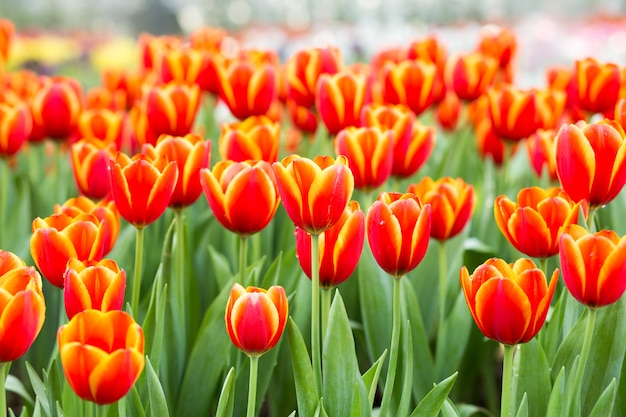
(254, 367)
(315, 312)
(4, 177)
(395, 344)
(137, 274)
(591, 217)
(443, 275)
(543, 264)
(507, 379)
(4, 372)
(584, 357)
(326, 295)
(180, 275)
(243, 256)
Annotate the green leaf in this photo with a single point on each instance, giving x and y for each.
(158, 403)
(39, 388)
(433, 401)
(476, 252)
(370, 377)
(448, 409)
(133, 404)
(339, 361)
(533, 377)
(16, 386)
(52, 381)
(555, 403)
(221, 268)
(604, 405)
(456, 329)
(522, 411)
(319, 411)
(227, 396)
(407, 369)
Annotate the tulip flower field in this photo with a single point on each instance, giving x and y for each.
(220, 230)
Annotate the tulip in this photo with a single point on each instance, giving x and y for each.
(247, 89)
(432, 49)
(102, 354)
(448, 112)
(302, 117)
(550, 107)
(191, 154)
(340, 247)
(57, 106)
(90, 165)
(7, 31)
(126, 82)
(501, 44)
(514, 113)
(152, 47)
(339, 99)
(314, 192)
(540, 150)
(207, 38)
(489, 145)
(534, 223)
(411, 83)
(590, 161)
(232, 188)
(409, 155)
(303, 69)
(15, 128)
(183, 65)
(397, 118)
(255, 138)
(370, 155)
(598, 85)
(469, 75)
(9, 261)
(93, 285)
(103, 124)
(101, 98)
(452, 203)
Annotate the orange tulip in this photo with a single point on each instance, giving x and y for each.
(302, 117)
(411, 82)
(590, 161)
(102, 354)
(142, 186)
(255, 138)
(488, 143)
(151, 47)
(256, 318)
(125, 82)
(90, 165)
(593, 265)
(448, 112)
(509, 302)
(182, 65)
(499, 43)
(397, 118)
(303, 69)
(100, 98)
(514, 113)
(233, 188)
(314, 192)
(409, 155)
(432, 49)
(598, 85)
(550, 107)
(207, 38)
(247, 89)
(370, 154)
(191, 154)
(102, 124)
(452, 203)
(540, 150)
(93, 285)
(57, 106)
(15, 127)
(23, 308)
(398, 231)
(534, 223)
(469, 75)
(340, 247)
(339, 99)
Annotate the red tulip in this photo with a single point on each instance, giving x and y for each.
(15, 127)
(514, 112)
(469, 75)
(90, 165)
(598, 85)
(255, 138)
(411, 82)
(57, 106)
(339, 99)
(303, 69)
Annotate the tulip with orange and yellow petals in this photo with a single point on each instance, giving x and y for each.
(340, 247)
(410, 155)
(183, 65)
(255, 138)
(432, 49)
(598, 85)
(127, 82)
(590, 161)
(232, 188)
(90, 165)
(60, 237)
(397, 118)
(102, 354)
(469, 75)
(256, 318)
(247, 89)
(489, 145)
(339, 99)
(314, 192)
(514, 113)
(398, 231)
(57, 106)
(499, 43)
(411, 83)
(23, 309)
(142, 186)
(303, 69)
(509, 302)
(448, 112)
(540, 150)
(593, 265)
(103, 124)
(93, 285)
(370, 154)
(551, 107)
(15, 127)
(191, 153)
(452, 202)
(534, 223)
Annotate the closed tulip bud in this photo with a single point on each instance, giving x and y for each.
(514, 113)
(339, 99)
(302, 118)
(303, 69)
(469, 75)
(412, 83)
(432, 49)
(598, 85)
(397, 118)
(256, 318)
(340, 247)
(126, 82)
(452, 203)
(15, 127)
(90, 165)
(489, 145)
(255, 138)
(314, 192)
(247, 89)
(102, 354)
(448, 112)
(499, 43)
(540, 150)
(509, 302)
(183, 65)
(398, 231)
(233, 188)
(551, 107)
(103, 124)
(170, 109)
(93, 285)
(590, 161)
(57, 106)
(534, 223)
(410, 154)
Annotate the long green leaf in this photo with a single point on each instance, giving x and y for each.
(16, 386)
(604, 405)
(370, 377)
(407, 369)
(433, 401)
(555, 403)
(227, 396)
(158, 403)
(306, 389)
(522, 411)
(533, 377)
(39, 388)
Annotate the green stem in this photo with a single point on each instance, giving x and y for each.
(315, 312)
(326, 296)
(4, 372)
(243, 256)
(591, 219)
(394, 348)
(87, 408)
(4, 185)
(443, 275)
(507, 379)
(584, 357)
(254, 368)
(137, 274)
(181, 279)
(59, 191)
(543, 264)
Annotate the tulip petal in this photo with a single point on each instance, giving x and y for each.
(112, 378)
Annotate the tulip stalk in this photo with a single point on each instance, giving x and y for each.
(180, 268)
(326, 296)
(584, 357)
(254, 368)
(591, 220)
(138, 269)
(443, 275)
(243, 256)
(4, 372)
(315, 312)
(507, 379)
(394, 348)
